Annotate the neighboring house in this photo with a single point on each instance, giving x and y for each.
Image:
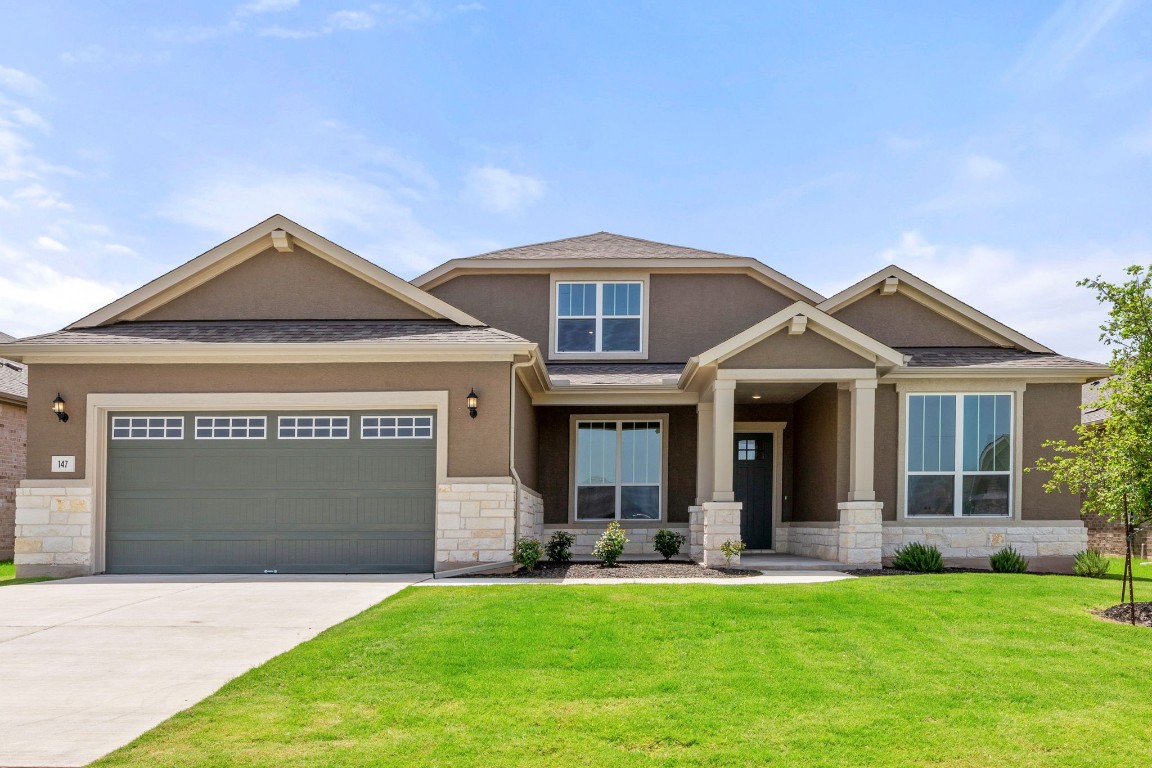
(13, 435)
(1103, 534)
(281, 404)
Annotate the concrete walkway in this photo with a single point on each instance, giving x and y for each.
(87, 665)
(773, 577)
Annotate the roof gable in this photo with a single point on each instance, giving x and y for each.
(893, 280)
(801, 318)
(277, 234)
(605, 250)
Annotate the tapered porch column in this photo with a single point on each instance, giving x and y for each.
(705, 463)
(723, 418)
(863, 441)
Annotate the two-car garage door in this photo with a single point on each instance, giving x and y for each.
(283, 492)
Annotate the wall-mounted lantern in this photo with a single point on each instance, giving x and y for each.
(473, 403)
(58, 408)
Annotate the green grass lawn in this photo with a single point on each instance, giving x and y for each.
(8, 575)
(953, 670)
(1139, 572)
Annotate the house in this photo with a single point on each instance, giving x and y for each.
(13, 431)
(279, 404)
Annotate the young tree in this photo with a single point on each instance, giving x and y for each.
(1111, 463)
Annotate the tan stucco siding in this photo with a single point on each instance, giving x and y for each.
(807, 350)
(691, 313)
(899, 321)
(887, 462)
(514, 303)
(1051, 412)
(477, 447)
(286, 286)
(526, 438)
(817, 445)
(554, 456)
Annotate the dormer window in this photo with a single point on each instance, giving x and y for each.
(595, 318)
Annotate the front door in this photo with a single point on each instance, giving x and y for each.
(752, 482)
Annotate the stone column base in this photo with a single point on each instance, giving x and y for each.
(861, 537)
(53, 531)
(475, 522)
(713, 523)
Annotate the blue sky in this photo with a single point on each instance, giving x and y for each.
(998, 150)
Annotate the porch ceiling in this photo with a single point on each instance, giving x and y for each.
(756, 393)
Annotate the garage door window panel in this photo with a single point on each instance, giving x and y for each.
(231, 427)
(147, 428)
(396, 427)
(313, 427)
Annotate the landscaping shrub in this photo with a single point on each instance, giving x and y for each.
(610, 546)
(668, 543)
(559, 547)
(731, 549)
(1008, 560)
(922, 558)
(527, 552)
(1091, 563)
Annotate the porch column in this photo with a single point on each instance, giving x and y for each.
(724, 416)
(705, 463)
(861, 516)
(863, 441)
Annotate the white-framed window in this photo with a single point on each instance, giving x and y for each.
(395, 427)
(618, 470)
(231, 427)
(959, 455)
(147, 427)
(313, 428)
(599, 317)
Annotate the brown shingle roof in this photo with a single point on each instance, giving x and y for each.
(603, 245)
(634, 374)
(278, 332)
(987, 357)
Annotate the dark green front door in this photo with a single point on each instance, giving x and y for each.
(271, 491)
(752, 482)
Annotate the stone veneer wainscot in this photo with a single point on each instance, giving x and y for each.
(53, 529)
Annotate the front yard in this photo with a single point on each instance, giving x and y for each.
(952, 670)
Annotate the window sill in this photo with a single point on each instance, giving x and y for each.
(642, 355)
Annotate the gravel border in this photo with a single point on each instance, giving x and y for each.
(624, 569)
(1122, 615)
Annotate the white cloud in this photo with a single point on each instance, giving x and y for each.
(16, 80)
(500, 190)
(340, 206)
(1062, 38)
(46, 243)
(39, 298)
(119, 250)
(351, 20)
(257, 7)
(34, 210)
(981, 168)
(1037, 294)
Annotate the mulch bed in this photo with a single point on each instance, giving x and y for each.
(655, 569)
(1122, 614)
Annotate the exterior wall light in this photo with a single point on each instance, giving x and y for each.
(58, 408)
(473, 403)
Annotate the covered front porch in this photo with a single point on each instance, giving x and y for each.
(796, 472)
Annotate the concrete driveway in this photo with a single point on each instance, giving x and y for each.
(87, 665)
